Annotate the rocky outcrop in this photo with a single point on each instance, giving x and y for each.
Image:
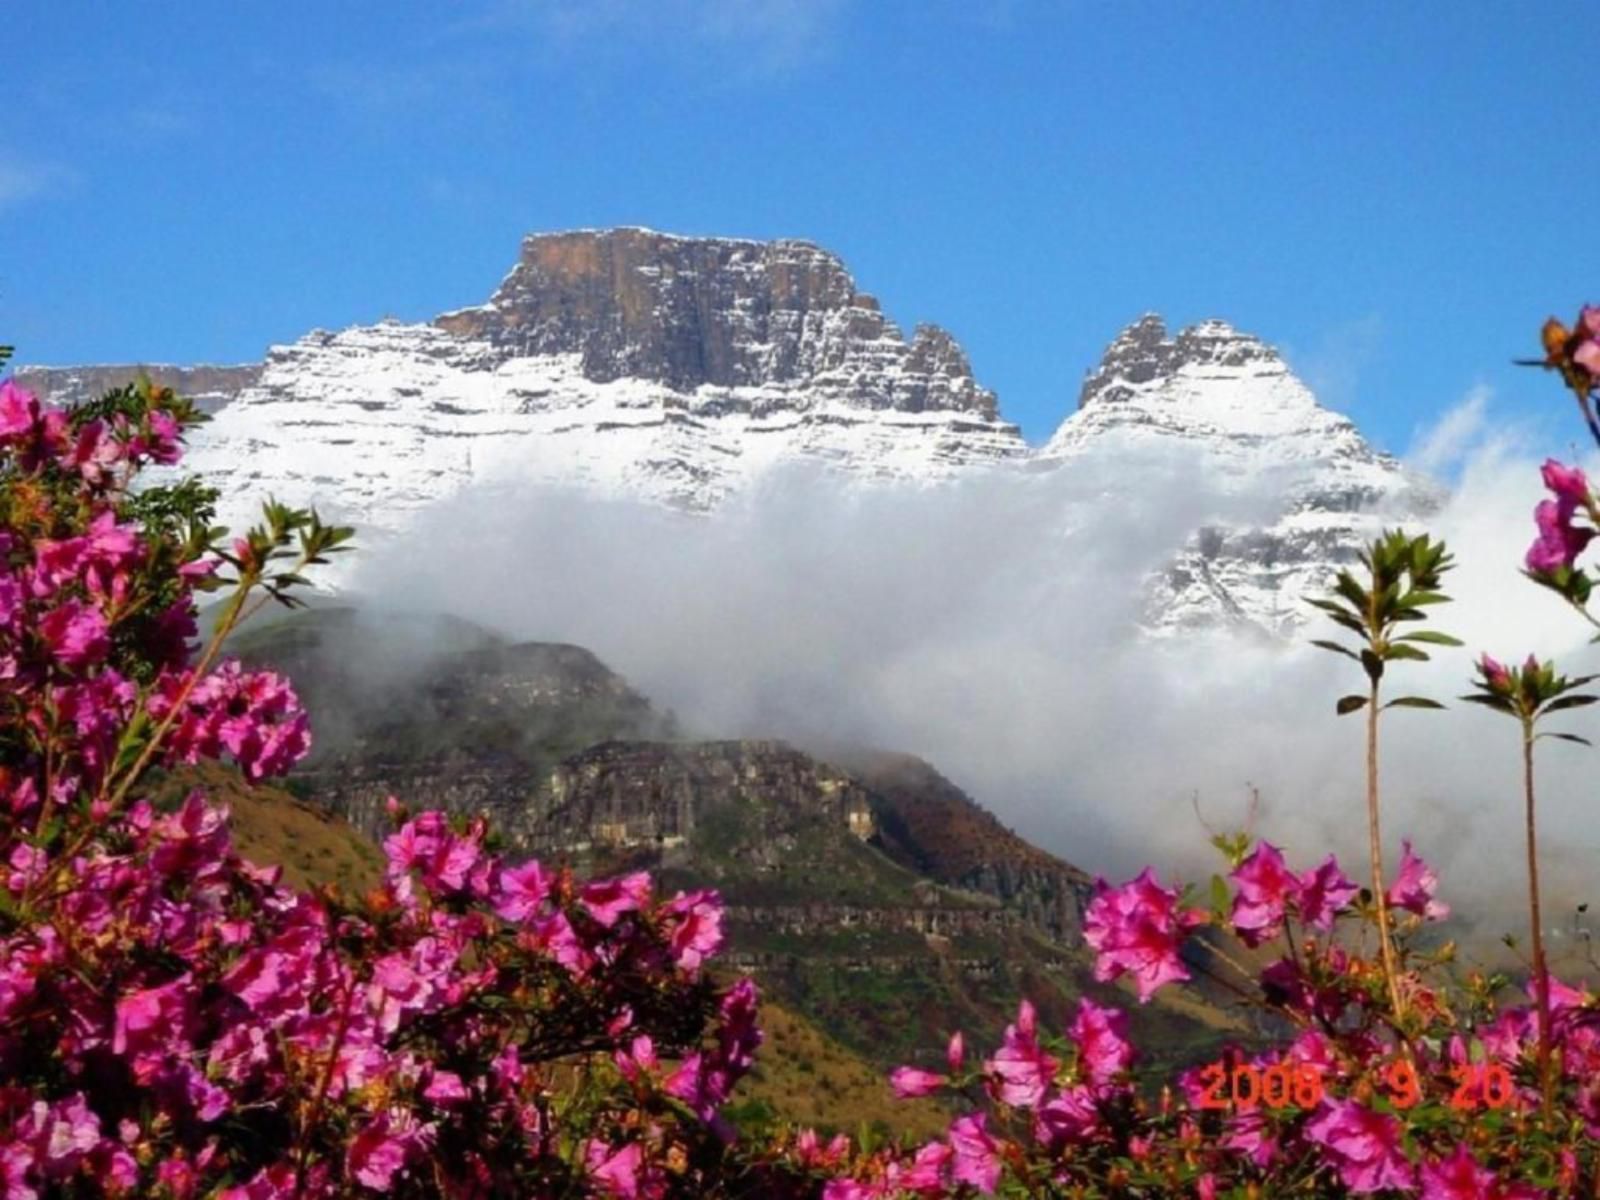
(717, 312)
(936, 829)
(211, 388)
(624, 794)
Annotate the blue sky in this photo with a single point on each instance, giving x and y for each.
(1397, 194)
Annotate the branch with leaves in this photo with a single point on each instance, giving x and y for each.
(1402, 583)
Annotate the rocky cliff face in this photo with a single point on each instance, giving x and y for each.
(692, 313)
(211, 388)
(1216, 400)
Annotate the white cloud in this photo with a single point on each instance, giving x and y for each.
(972, 625)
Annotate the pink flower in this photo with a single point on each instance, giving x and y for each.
(1104, 1051)
(1587, 355)
(1566, 483)
(1560, 541)
(977, 1154)
(1265, 888)
(521, 890)
(1362, 1146)
(1323, 893)
(1414, 885)
(926, 1174)
(1458, 1177)
(150, 1024)
(608, 899)
(1249, 1133)
(955, 1053)
(695, 922)
(911, 1082)
(19, 409)
(381, 1148)
(1137, 929)
(76, 633)
(615, 1172)
(1069, 1115)
(1495, 674)
(1023, 1070)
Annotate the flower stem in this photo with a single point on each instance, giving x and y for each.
(1541, 972)
(1375, 849)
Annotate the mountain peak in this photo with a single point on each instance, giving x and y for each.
(690, 312)
(1144, 353)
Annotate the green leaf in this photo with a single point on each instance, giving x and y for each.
(1336, 648)
(1352, 591)
(1569, 737)
(1373, 665)
(1498, 703)
(1413, 702)
(1568, 702)
(1221, 898)
(1419, 598)
(1396, 650)
(1433, 637)
(1349, 704)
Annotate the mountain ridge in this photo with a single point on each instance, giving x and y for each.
(683, 371)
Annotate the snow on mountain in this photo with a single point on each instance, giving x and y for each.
(1224, 402)
(681, 371)
(630, 362)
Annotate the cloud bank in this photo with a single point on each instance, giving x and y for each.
(989, 627)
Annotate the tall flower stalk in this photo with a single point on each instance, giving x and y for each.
(1402, 581)
(1529, 693)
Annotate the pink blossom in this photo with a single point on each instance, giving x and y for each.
(1250, 1134)
(150, 1024)
(925, 1175)
(381, 1148)
(911, 1082)
(955, 1053)
(1021, 1068)
(811, 1153)
(977, 1154)
(521, 890)
(1414, 885)
(1457, 1177)
(695, 923)
(1566, 483)
(1068, 1115)
(19, 409)
(1265, 887)
(1138, 929)
(1559, 541)
(615, 1172)
(608, 899)
(1495, 674)
(1323, 893)
(1104, 1051)
(1363, 1146)
(76, 633)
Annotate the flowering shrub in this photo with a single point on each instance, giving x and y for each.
(174, 1022)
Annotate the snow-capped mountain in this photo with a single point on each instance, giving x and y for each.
(672, 369)
(1223, 401)
(682, 370)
